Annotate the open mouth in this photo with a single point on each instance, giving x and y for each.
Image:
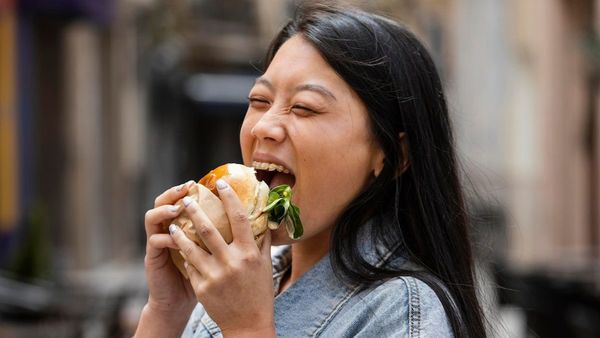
(273, 174)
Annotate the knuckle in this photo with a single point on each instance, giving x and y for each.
(211, 277)
(157, 201)
(230, 268)
(239, 217)
(251, 259)
(191, 209)
(204, 230)
(187, 250)
(148, 215)
(200, 290)
(151, 241)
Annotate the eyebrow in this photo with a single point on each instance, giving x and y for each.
(263, 81)
(310, 87)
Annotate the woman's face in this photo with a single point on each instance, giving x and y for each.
(305, 119)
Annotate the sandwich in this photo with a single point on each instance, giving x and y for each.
(267, 208)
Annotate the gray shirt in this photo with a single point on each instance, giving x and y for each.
(319, 305)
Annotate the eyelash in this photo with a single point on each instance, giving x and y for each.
(253, 99)
(308, 110)
(303, 108)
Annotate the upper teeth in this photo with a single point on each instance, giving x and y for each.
(270, 167)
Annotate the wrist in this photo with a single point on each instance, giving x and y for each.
(157, 321)
(170, 310)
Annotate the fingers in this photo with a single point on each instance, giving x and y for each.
(189, 250)
(237, 214)
(164, 210)
(154, 218)
(194, 275)
(173, 194)
(158, 242)
(204, 227)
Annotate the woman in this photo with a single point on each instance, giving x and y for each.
(352, 105)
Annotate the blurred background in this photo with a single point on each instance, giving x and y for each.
(106, 103)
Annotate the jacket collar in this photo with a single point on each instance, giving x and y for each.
(295, 308)
(308, 305)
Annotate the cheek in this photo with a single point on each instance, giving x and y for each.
(340, 177)
(341, 162)
(333, 175)
(246, 138)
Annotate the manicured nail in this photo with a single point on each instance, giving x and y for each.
(187, 200)
(185, 264)
(221, 184)
(174, 208)
(173, 228)
(186, 184)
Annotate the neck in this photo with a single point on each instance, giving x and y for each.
(305, 255)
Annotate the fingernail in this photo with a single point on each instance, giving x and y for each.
(221, 184)
(185, 264)
(186, 184)
(174, 208)
(173, 228)
(187, 200)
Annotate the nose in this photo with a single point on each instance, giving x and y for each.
(269, 128)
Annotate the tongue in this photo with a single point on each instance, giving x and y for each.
(281, 178)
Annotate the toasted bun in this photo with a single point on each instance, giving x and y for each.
(252, 193)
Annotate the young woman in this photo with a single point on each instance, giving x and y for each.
(351, 104)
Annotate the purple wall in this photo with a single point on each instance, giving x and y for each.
(97, 10)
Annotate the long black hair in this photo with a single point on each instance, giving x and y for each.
(394, 75)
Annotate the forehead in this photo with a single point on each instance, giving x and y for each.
(297, 60)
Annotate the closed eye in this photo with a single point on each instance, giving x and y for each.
(258, 103)
(302, 110)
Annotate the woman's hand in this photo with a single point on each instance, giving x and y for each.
(234, 281)
(171, 298)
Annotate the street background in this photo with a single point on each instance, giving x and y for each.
(105, 104)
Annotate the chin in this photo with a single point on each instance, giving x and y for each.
(280, 237)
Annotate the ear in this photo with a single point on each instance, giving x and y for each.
(379, 158)
(378, 161)
(405, 160)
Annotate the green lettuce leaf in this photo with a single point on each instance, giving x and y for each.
(281, 209)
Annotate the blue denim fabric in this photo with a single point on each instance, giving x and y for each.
(319, 305)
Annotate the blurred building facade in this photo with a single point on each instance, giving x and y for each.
(522, 81)
(105, 104)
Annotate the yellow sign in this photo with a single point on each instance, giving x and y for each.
(9, 173)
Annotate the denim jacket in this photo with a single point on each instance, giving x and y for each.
(319, 305)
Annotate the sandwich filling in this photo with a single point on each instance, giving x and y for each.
(279, 205)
